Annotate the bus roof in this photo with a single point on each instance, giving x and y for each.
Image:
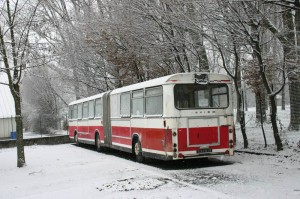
(87, 99)
(170, 79)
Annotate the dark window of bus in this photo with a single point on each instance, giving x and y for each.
(85, 111)
(75, 112)
(219, 96)
(98, 108)
(137, 103)
(79, 115)
(197, 96)
(91, 109)
(154, 101)
(125, 104)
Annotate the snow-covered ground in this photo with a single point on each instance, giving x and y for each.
(290, 139)
(30, 134)
(68, 171)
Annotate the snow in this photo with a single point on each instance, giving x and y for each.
(290, 139)
(68, 171)
(30, 134)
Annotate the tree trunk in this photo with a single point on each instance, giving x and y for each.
(283, 98)
(243, 127)
(272, 96)
(245, 98)
(260, 105)
(291, 59)
(294, 85)
(241, 113)
(19, 125)
(262, 121)
(274, 123)
(239, 96)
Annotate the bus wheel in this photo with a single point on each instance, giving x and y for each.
(98, 143)
(76, 139)
(138, 151)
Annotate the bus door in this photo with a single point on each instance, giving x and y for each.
(106, 119)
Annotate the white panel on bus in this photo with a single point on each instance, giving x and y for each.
(203, 122)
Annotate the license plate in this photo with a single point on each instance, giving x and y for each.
(204, 150)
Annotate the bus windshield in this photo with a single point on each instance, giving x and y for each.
(201, 96)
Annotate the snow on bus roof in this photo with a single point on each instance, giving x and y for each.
(149, 83)
(87, 99)
(178, 77)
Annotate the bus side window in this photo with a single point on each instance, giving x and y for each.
(91, 109)
(79, 115)
(115, 106)
(154, 101)
(75, 112)
(137, 103)
(125, 104)
(85, 111)
(98, 108)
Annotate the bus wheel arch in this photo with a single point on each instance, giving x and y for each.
(137, 150)
(97, 141)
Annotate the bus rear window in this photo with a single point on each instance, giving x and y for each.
(200, 96)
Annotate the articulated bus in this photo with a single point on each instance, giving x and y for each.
(180, 116)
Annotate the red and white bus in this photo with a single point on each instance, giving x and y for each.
(180, 116)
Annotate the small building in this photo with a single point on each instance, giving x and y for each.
(7, 109)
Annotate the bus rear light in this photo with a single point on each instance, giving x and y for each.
(180, 155)
(175, 150)
(227, 152)
(174, 133)
(174, 145)
(230, 130)
(231, 145)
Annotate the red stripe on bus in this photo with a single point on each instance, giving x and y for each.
(120, 131)
(161, 139)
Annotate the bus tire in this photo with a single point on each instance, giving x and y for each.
(97, 142)
(76, 139)
(137, 151)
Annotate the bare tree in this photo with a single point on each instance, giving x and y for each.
(15, 49)
(245, 22)
(255, 39)
(290, 40)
